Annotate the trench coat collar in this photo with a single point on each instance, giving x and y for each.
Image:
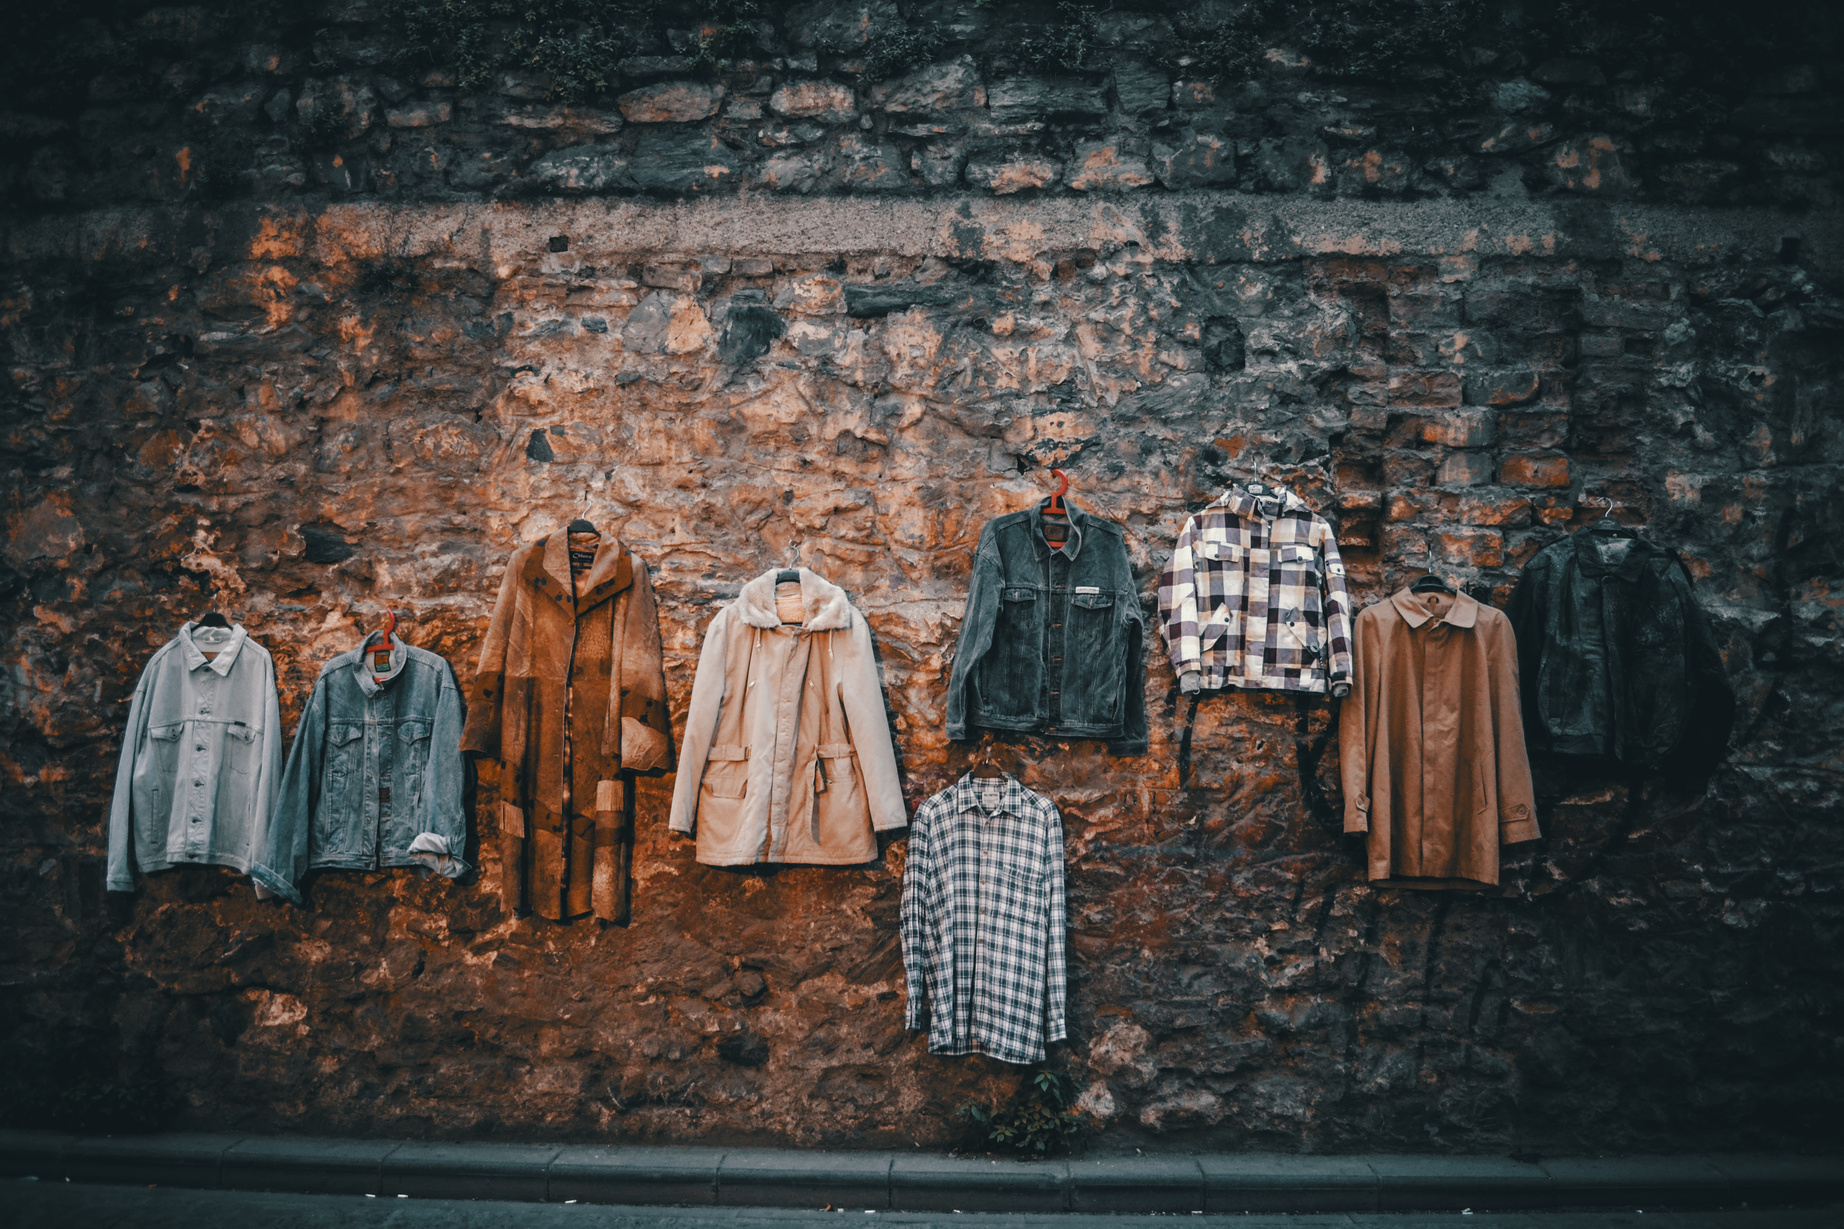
(549, 570)
(1463, 613)
(227, 652)
(370, 683)
(1078, 520)
(825, 605)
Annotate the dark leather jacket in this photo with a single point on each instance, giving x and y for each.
(1052, 639)
(1616, 659)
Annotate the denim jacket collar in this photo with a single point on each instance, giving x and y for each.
(611, 572)
(227, 652)
(371, 683)
(1077, 519)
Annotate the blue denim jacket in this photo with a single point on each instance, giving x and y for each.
(1052, 639)
(402, 733)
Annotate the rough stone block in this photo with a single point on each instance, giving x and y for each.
(1432, 389)
(635, 1175)
(774, 1178)
(1005, 174)
(938, 88)
(861, 163)
(1533, 469)
(582, 170)
(977, 1184)
(671, 102)
(320, 1166)
(1590, 164)
(1444, 1183)
(822, 102)
(1478, 548)
(1029, 98)
(691, 163)
(467, 1171)
(1199, 159)
(1103, 165)
(939, 163)
(419, 115)
(1494, 508)
(1502, 387)
(1256, 1183)
(1136, 1184)
(1140, 87)
(1460, 428)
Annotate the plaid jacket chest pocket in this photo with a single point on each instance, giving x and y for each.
(1222, 589)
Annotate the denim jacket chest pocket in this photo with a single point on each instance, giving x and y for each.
(343, 802)
(1013, 673)
(412, 751)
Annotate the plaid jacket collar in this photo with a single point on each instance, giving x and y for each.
(1239, 500)
(971, 794)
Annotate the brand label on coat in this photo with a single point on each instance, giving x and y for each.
(1088, 588)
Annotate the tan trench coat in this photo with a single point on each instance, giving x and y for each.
(1431, 743)
(787, 754)
(569, 696)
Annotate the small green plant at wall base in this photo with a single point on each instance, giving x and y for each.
(1037, 1120)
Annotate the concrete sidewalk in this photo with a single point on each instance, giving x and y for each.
(918, 1182)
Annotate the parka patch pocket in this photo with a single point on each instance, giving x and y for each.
(726, 772)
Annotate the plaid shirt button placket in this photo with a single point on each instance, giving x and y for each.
(983, 919)
(1255, 597)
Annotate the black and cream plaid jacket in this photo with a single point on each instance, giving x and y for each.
(1254, 596)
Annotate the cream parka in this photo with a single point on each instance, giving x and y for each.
(787, 754)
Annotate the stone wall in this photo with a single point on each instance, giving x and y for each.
(301, 410)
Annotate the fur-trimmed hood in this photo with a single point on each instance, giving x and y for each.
(824, 604)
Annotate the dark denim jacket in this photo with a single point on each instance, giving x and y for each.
(356, 734)
(1051, 641)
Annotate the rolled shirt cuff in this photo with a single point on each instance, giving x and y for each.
(263, 877)
(430, 849)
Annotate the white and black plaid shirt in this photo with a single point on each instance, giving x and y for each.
(983, 919)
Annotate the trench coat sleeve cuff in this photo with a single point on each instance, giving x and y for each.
(267, 880)
(1517, 823)
(1357, 815)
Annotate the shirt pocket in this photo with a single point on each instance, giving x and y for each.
(1023, 884)
(726, 772)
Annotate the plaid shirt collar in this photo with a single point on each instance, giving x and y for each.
(989, 797)
(1077, 519)
(1239, 500)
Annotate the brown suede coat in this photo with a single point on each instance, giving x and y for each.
(570, 695)
(1431, 743)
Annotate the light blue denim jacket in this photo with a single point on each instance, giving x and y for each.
(329, 812)
(200, 758)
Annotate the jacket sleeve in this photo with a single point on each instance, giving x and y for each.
(1712, 700)
(701, 715)
(976, 629)
(1178, 603)
(486, 707)
(918, 881)
(447, 816)
(1133, 735)
(1356, 713)
(1517, 798)
(120, 875)
(862, 697)
(1056, 970)
(284, 849)
(1335, 601)
(1528, 612)
(645, 729)
(269, 774)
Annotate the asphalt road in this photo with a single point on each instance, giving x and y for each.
(64, 1205)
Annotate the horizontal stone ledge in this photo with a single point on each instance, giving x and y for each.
(510, 239)
(752, 1177)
